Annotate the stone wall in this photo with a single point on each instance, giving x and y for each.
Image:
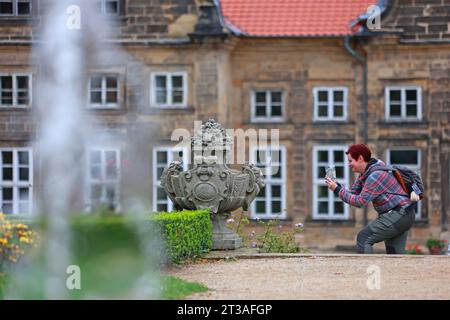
(420, 20)
(137, 20)
(158, 19)
(426, 66)
(296, 66)
(18, 125)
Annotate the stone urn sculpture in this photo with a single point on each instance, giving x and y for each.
(211, 185)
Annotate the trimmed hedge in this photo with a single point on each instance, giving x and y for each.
(114, 252)
(91, 236)
(182, 235)
(186, 233)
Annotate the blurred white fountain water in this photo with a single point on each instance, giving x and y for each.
(62, 136)
(73, 40)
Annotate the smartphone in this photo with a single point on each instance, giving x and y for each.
(331, 172)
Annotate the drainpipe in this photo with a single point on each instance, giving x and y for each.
(363, 62)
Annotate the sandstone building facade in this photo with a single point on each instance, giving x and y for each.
(189, 60)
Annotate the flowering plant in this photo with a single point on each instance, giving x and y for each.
(435, 246)
(237, 222)
(413, 249)
(432, 242)
(15, 238)
(274, 238)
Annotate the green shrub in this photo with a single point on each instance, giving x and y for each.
(94, 235)
(186, 234)
(115, 253)
(279, 242)
(434, 242)
(182, 235)
(109, 252)
(272, 239)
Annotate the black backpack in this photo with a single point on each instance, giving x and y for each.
(407, 178)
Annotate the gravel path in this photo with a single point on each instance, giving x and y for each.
(321, 277)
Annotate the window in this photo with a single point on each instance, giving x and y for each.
(409, 158)
(330, 104)
(103, 178)
(267, 105)
(15, 7)
(15, 91)
(104, 91)
(162, 157)
(403, 103)
(271, 200)
(16, 181)
(169, 89)
(109, 7)
(326, 204)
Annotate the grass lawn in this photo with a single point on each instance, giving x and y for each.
(2, 284)
(174, 288)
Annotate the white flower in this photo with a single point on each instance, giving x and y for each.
(299, 225)
(254, 244)
(231, 220)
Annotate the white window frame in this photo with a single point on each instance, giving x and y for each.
(15, 92)
(415, 168)
(103, 8)
(330, 104)
(16, 183)
(103, 181)
(157, 180)
(15, 5)
(104, 91)
(320, 181)
(169, 87)
(402, 117)
(267, 117)
(269, 181)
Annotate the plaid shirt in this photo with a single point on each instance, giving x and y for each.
(377, 187)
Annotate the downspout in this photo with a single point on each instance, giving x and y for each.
(363, 62)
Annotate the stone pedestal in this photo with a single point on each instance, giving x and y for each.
(222, 237)
(226, 241)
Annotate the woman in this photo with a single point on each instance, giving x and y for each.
(395, 209)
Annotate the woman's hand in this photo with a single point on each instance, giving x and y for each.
(331, 184)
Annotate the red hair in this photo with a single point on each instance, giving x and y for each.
(357, 150)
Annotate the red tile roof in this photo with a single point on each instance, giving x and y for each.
(293, 17)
